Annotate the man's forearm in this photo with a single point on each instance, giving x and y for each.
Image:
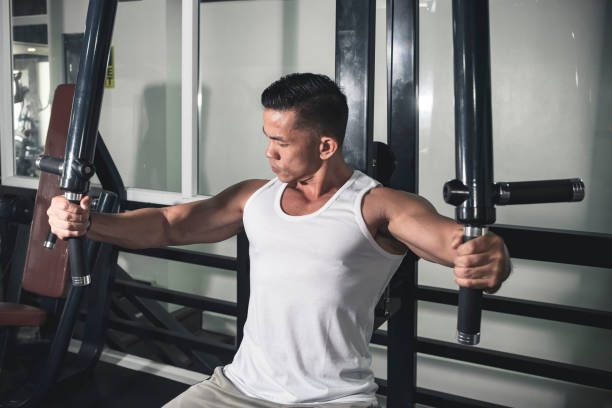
(144, 228)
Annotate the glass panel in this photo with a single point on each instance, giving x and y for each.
(244, 46)
(551, 94)
(141, 115)
(31, 95)
(140, 118)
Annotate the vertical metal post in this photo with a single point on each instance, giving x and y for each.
(87, 103)
(77, 167)
(244, 285)
(473, 141)
(402, 128)
(355, 21)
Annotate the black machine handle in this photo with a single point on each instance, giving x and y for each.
(470, 309)
(543, 191)
(76, 168)
(526, 192)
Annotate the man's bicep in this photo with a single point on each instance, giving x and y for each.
(211, 220)
(416, 223)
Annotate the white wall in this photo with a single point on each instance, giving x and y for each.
(244, 47)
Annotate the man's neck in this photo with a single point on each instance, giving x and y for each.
(326, 181)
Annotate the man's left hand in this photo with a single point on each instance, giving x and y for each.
(481, 263)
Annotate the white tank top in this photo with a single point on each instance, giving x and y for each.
(315, 281)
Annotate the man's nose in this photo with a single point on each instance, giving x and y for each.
(270, 151)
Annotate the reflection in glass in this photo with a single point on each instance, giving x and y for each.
(31, 107)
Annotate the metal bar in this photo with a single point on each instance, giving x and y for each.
(473, 141)
(59, 347)
(87, 103)
(569, 247)
(130, 205)
(103, 259)
(383, 389)
(402, 131)
(355, 75)
(7, 148)
(529, 365)
(473, 123)
(176, 297)
(402, 91)
(224, 351)
(189, 96)
(441, 399)
(401, 338)
(379, 337)
(519, 307)
(160, 317)
(187, 256)
(107, 171)
(243, 284)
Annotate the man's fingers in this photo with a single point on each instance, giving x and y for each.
(481, 277)
(67, 215)
(483, 284)
(86, 203)
(473, 273)
(68, 219)
(468, 261)
(479, 245)
(457, 239)
(60, 203)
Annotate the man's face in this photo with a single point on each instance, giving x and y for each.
(293, 153)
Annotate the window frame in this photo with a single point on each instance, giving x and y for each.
(190, 15)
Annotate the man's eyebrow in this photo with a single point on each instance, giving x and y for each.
(279, 138)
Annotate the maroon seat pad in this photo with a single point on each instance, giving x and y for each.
(14, 314)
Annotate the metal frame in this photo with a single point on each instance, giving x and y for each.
(355, 31)
(190, 22)
(402, 131)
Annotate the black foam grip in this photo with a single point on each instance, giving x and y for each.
(78, 262)
(470, 310)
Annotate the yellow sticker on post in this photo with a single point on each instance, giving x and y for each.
(109, 80)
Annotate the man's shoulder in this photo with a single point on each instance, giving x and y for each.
(387, 195)
(246, 188)
(387, 200)
(253, 185)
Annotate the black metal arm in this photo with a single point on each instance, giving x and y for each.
(76, 168)
(473, 192)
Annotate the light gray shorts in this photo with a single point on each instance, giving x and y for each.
(219, 392)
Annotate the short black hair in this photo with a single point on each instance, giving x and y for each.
(318, 102)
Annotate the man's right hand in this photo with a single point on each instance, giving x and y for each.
(67, 219)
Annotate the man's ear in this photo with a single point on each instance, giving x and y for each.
(327, 147)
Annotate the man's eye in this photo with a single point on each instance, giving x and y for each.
(283, 144)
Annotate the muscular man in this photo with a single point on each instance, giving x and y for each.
(324, 242)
